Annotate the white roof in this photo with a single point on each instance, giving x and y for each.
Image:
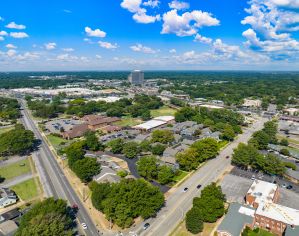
(150, 124)
(246, 211)
(211, 106)
(262, 191)
(280, 213)
(164, 118)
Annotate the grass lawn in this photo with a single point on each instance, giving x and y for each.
(181, 175)
(56, 141)
(289, 139)
(261, 232)
(182, 231)
(15, 169)
(128, 121)
(27, 189)
(4, 130)
(163, 111)
(222, 144)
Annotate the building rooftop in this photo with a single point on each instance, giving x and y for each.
(8, 228)
(151, 124)
(262, 191)
(236, 218)
(164, 118)
(278, 212)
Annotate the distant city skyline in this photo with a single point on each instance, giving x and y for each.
(149, 35)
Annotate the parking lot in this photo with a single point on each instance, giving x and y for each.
(282, 182)
(236, 187)
(55, 126)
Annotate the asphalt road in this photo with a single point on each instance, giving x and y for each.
(179, 202)
(53, 178)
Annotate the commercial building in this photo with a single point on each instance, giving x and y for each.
(136, 77)
(155, 123)
(252, 103)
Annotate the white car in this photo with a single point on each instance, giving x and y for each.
(84, 226)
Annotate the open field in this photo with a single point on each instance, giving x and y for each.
(163, 111)
(56, 141)
(261, 232)
(15, 169)
(27, 189)
(3, 130)
(128, 121)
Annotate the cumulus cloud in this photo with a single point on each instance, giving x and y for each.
(19, 35)
(11, 52)
(140, 48)
(98, 57)
(271, 25)
(152, 3)
(107, 45)
(13, 25)
(3, 33)
(68, 49)
(140, 13)
(50, 46)
(95, 33)
(1, 38)
(172, 51)
(10, 46)
(179, 5)
(188, 23)
(202, 39)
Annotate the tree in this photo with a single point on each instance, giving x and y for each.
(116, 145)
(284, 152)
(284, 142)
(165, 174)
(49, 217)
(145, 146)
(194, 223)
(162, 136)
(244, 155)
(158, 149)
(188, 159)
(206, 148)
(273, 165)
(228, 133)
(185, 114)
(130, 149)
(260, 140)
(86, 168)
(146, 115)
(75, 152)
(147, 167)
(92, 141)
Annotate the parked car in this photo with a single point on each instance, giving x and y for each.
(289, 187)
(84, 226)
(227, 157)
(253, 177)
(146, 225)
(284, 185)
(198, 186)
(185, 189)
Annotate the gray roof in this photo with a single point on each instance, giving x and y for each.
(107, 175)
(292, 231)
(292, 173)
(8, 228)
(234, 221)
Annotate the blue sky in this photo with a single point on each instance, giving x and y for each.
(149, 35)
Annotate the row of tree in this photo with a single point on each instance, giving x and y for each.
(17, 141)
(150, 168)
(123, 202)
(9, 109)
(84, 167)
(207, 208)
(248, 156)
(199, 152)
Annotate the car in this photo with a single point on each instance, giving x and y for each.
(227, 157)
(198, 186)
(284, 185)
(84, 226)
(146, 225)
(185, 189)
(289, 187)
(253, 177)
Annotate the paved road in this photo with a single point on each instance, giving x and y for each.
(179, 202)
(53, 177)
(17, 180)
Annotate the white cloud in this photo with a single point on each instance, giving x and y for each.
(3, 33)
(188, 23)
(152, 3)
(68, 49)
(1, 38)
(175, 4)
(173, 51)
(95, 33)
(27, 56)
(202, 39)
(98, 57)
(11, 46)
(140, 48)
(13, 25)
(19, 35)
(66, 57)
(11, 52)
(287, 3)
(140, 13)
(50, 46)
(107, 45)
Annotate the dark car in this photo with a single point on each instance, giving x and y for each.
(227, 157)
(185, 190)
(289, 187)
(198, 186)
(146, 225)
